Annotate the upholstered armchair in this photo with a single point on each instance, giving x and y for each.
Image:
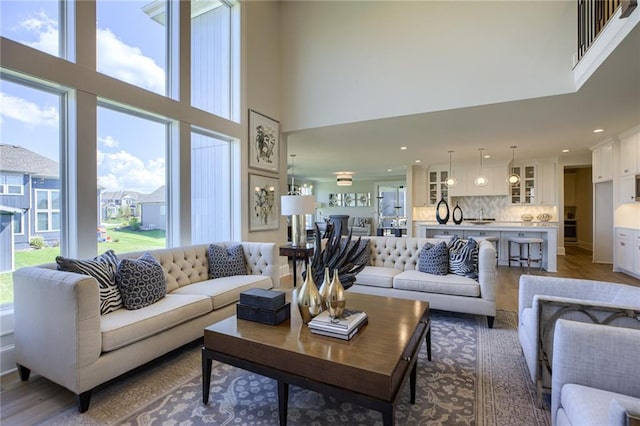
(543, 300)
(596, 375)
(359, 226)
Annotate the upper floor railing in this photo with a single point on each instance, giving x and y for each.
(593, 15)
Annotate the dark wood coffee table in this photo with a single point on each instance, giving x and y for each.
(370, 369)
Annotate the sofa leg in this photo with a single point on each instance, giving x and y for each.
(490, 321)
(82, 401)
(23, 372)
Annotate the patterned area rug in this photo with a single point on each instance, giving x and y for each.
(477, 377)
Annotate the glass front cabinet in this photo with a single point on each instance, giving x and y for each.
(436, 186)
(524, 191)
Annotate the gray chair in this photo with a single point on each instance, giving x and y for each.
(543, 300)
(596, 375)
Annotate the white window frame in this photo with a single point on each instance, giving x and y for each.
(4, 186)
(18, 218)
(49, 210)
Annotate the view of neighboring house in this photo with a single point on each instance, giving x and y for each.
(30, 195)
(116, 204)
(153, 208)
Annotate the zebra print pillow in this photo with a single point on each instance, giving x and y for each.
(103, 269)
(434, 259)
(463, 257)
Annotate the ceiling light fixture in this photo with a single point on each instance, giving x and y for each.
(565, 150)
(513, 177)
(451, 180)
(344, 179)
(481, 180)
(295, 205)
(598, 131)
(403, 148)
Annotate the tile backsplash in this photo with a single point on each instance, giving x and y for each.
(497, 208)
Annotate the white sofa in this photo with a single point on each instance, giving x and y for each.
(393, 271)
(596, 376)
(60, 333)
(542, 300)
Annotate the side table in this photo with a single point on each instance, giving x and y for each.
(297, 253)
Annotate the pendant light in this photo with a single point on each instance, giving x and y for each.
(481, 180)
(513, 177)
(451, 180)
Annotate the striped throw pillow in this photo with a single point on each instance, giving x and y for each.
(103, 269)
(463, 257)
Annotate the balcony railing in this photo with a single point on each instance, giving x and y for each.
(593, 15)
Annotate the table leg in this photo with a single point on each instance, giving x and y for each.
(283, 401)
(412, 382)
(295, 273)
(388, 416)
(429, 343)
(206, 376)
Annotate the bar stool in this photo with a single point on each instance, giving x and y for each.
(493, 240)
(443, 237)
(524, 242)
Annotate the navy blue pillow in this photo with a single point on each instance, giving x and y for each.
(434, 259)
(141, 281)
(226, 261)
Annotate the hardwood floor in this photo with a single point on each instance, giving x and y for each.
(32, 402)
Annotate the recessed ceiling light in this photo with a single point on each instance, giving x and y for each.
(389, 170)
(487, 156)
(565, 150)
(403, 147)
(598, 131)
(418, 161)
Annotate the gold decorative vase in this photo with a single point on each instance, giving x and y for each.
(336, 300)
(324, 289)
(309, 300)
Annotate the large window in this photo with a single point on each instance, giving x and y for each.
(108, 161)
(211, 207)
(41, 25)
(132, 42)
(211, 57)
(132, 158)
(32, 118)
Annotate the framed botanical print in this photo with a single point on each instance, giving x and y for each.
(264, 142)
(264, 201)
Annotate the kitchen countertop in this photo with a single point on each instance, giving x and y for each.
(491, 225)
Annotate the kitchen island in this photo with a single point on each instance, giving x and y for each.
(548, 231)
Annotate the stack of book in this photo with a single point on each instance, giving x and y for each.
(344, 327)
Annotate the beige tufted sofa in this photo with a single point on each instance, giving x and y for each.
(60, 333)
(393, 271)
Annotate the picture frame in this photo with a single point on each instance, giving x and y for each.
(264, 142)
(349, 199)
(335, 200)
(264, 203)
(363, 199)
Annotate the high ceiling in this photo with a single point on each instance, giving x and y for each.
(540, 128)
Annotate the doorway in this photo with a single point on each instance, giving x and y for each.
(578, 207)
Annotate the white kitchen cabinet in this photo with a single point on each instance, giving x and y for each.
(546, 184)
(436, 187)
(630, 154)
(466, 174)
(602, 162)
(523, 192)
(624, 251)
(628, 189)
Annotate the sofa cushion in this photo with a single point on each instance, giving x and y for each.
(463, 257)
(103, 269)
(377, 276)
(141, 281)
(434, 259)
(226, 261)
(224, 291)
(619, 409)
(450, 284)
(123, 327)
(588, 406)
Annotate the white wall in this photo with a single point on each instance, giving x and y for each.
(354, 60)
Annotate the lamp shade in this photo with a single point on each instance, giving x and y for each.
(297, 204)
(344, 180)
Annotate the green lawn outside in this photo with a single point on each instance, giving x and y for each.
(122, 241)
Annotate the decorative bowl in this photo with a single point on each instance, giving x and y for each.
(527, 217)
(544, 217)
